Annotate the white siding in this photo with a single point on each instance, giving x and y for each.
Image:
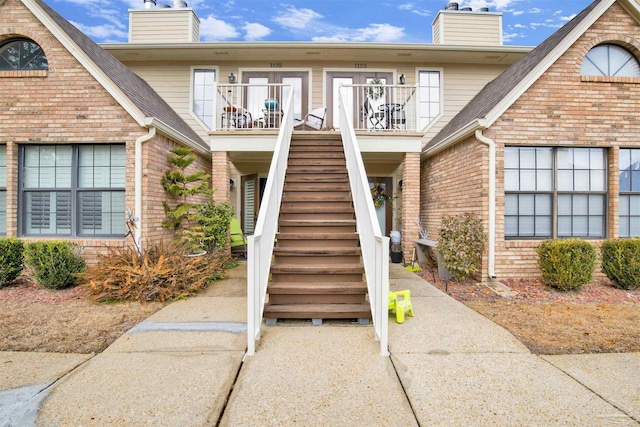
(468, 28)
(163, 26)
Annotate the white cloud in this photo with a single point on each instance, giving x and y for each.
(509, 37)
(535, 10)
(567, 18)
(517, 12)
(212, 29)
(296, 18)
(373, 33)
(519, 26)
(557, 12)
(255, 31)
(501, 5)
(101, 32)
(413, 9)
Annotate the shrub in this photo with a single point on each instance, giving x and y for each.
(159, 274)
(54, 264)
(566, 264)
(461, 244)
(621, 262)
(11, 257)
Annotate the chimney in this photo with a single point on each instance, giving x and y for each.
(163, 23)
(455, 26)
(149, 4)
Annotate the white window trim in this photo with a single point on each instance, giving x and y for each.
(192, 70)
(436, 119)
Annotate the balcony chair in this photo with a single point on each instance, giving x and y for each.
(313, 120)
(238, 239)
(375, 118)
(236, 117)
(400, 302)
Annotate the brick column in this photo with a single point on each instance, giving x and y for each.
(12, 189)
(613, 227)
(220, 175)
(410, 202)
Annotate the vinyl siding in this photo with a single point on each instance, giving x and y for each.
(163, 26)
(477, 29)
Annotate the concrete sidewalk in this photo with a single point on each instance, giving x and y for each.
(185, 366)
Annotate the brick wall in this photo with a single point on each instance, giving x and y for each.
(563, 109)
(455, 182)
(220, 175)
(410, 202)
(67, 105)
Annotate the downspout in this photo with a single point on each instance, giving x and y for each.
(137, 236)
(492, 200)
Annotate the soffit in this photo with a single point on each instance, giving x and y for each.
(353, 53)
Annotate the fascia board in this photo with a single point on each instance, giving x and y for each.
(86, 62)
(548, 61)
(175, 135)
(463, 133)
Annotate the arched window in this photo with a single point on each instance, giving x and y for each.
(610, 60)
(22, 54)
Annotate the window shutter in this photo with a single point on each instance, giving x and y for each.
(40, 211)
(90, 212)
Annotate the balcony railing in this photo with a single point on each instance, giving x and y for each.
(385, 108)
(250, 106)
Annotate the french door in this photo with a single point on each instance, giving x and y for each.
(354, 99)
(298, 81)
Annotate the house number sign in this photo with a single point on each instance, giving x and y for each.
(276, 65)
(361, 65)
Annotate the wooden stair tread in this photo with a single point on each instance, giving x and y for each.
(316, 222)
(319, 196)
(318, 236)
(317, 311)
(327, 178)
(297, 288)
(315, 251)
(318, 268)
(313, 209)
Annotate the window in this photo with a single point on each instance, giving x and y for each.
(610, 60)
(429, 98)
(204, 81)
(572, 178)
(73, 190)
(22, 54)
(629, 193)
(3, 189)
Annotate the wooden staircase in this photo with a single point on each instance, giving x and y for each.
(318, 272)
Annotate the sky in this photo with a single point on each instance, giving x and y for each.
(525, 22)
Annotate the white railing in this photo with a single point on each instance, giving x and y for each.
(260, 246)
(250, 106)
(379, 107)
(374, 246)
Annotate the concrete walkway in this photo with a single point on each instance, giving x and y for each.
(449, 366)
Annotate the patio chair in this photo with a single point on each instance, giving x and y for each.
(313, 120)
(238, 239)
(400, 302)
(375, 118)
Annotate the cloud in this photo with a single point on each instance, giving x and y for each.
(255, 31)
(212, 29)
(501, 5)
(296, 18)
(567, 18)
(535, 10)
(519, 26)
(381, 33)
(101, 32)
(517, 12)
(413, 9)
(509, 37)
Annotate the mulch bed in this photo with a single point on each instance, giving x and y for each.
(25, 289)
(601, 291)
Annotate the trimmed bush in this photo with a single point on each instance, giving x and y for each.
(11, 257)
(54, 264)
(566, 264)
(621, 262)
(461, 244)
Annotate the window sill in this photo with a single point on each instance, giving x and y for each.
(23, 73)
(609, 79)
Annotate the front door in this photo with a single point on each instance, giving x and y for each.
(382, 186)
(356, 97)
(298, 81)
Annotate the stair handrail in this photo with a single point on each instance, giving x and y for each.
(261, 243)
(374, 246)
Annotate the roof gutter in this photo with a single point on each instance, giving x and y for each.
(167, 130)
(454, 138)
(492, 200)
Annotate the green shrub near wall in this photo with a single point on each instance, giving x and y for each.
(11, 257)
(621, 262)
(55, 263)
(567, 264)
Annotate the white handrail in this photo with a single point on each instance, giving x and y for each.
(260, 246)
(374, 246)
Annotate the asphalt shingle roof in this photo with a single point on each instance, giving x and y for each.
(499, 88)
(134, 87)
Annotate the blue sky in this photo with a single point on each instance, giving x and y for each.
(525, 22)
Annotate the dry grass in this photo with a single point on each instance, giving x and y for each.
(64, 321)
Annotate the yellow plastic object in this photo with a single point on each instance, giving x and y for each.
(237, 238)
(400, 301)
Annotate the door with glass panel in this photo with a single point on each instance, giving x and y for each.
(265, 102)
(363, 103)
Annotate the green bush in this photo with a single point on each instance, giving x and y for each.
(11, 257)
(566, 264)
(461, 244)
(621, 262)
(54, 264)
